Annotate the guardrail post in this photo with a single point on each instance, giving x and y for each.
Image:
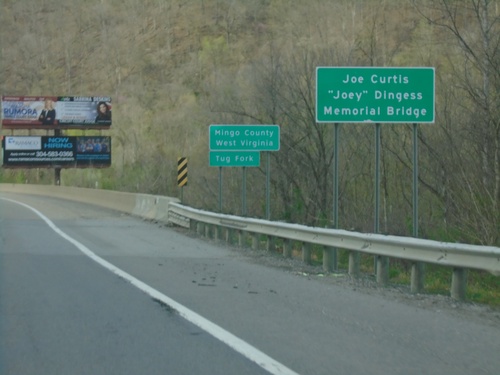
(417, 277)
(199, 228)
(216, 233)
(228, 235)
(192, 225)
(287, 248)
(354, 263)
(458, 283)
(255, 241)
(329, 259)
(271, 243)
(382, 270)
(306, 252)
(207, 230)
(241, 238)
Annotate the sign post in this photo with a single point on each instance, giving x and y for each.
(182, 174)
(377, 95)
(240, 146)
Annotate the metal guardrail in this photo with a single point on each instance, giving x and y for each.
(458, 256)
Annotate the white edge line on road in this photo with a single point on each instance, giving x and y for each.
(263, 360)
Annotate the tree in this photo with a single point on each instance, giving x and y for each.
(474, 74)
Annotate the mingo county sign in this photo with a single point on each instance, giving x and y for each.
(244, 137)
(382, 95)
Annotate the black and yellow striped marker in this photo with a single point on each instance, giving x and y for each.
(182, 171)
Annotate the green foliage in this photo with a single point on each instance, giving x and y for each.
(172, 68)
(26, 176)
(483, 287)
(14, 177)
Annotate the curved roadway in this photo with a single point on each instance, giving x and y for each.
(84, 290)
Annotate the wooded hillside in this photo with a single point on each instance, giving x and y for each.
(173, 67)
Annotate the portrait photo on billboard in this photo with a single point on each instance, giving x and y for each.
(56, 112)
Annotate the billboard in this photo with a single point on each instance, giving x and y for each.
(56, 112)
(52, 151)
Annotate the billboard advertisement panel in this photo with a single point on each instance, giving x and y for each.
(56, 112)
(52, 151)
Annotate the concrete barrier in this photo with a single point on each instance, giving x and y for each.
(143, 205)
(152, 207)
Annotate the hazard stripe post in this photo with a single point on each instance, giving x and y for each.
(182, 174)
(182, 171)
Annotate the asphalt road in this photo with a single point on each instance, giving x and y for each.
(104, 293)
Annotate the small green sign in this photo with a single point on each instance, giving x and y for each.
(244, 137)
(383, 95)
(234, 158)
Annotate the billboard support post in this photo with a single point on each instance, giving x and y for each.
(57, 170)
(57, 176)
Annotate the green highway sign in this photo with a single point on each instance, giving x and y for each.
(382, 95)
(234, 158)
(244, 137)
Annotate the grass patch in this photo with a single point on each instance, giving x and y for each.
(482, 287)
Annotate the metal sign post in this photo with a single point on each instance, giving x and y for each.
(417, 268)
(220, 189)
(376, 189)
(244, 191)
(182, 174)
(240, 146)
(268, 186)
(336, 177)
(376, 95)
(415, 180)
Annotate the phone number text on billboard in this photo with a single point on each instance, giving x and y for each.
(36, 152)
